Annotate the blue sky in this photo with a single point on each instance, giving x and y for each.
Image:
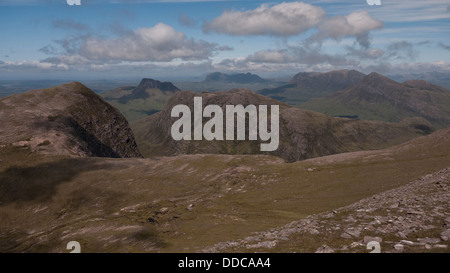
(176, 39)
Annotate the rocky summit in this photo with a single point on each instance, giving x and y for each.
(411, 218)
(69, 119)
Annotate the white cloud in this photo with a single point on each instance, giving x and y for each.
(285, 19)
(67, 59)
(31, 65)
(357, 24)
(159, 43)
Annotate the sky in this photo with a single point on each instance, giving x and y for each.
(50, 39)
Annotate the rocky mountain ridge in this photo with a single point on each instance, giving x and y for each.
(69, 119)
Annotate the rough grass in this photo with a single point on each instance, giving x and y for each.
(105, 203)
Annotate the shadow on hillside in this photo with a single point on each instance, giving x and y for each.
(38, 183)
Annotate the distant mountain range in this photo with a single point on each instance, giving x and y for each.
(306, 85)
(147, 98)
(439, 78)
(342, 93)
(218, 81)
(242, 78)
(377, 97)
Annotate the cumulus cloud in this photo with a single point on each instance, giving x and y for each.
(357, 24)
(67, 59)
(159, 43)
(354, 24)
(31, 66)
(308, 56)
(293, 57)
(285, 19)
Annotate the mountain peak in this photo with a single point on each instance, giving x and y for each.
(69, 119)
(375, 79)
(145, 87)
(147, 83)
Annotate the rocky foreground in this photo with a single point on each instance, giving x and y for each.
(411, 218)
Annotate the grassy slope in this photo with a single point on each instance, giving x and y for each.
(404, 102)
(137, 108)
(105, 204)
(335, 107)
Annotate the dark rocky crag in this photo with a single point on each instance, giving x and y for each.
(69, 119)
(303, 134)
(141, 91)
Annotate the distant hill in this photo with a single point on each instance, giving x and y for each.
(243, 78)
(377, 97)
(69, 119)
(439, 78)
(218, 81)
(306, 85)
(147, 98)
(303, 134)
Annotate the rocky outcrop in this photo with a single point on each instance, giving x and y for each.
(411, 218)
(68, 119)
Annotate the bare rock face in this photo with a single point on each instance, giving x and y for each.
(68, 120)
(303, 134)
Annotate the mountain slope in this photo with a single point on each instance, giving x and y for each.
(68, 119)
(379, 98)
(190, 202)
(137, 102)
(303, 134)
(307, 85)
